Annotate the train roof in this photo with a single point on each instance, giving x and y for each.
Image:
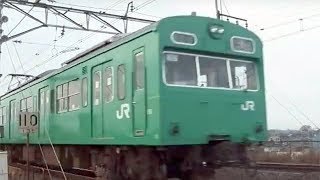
(112, 42)
(108, 44)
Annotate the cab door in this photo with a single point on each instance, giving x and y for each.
(97, 103)
(139, 93)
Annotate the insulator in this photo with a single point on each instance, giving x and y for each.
(4, 19)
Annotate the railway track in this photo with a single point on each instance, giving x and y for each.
(18, 170)
(288, 166)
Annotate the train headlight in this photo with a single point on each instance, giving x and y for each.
(216, 31)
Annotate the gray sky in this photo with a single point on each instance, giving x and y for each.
(290, 61)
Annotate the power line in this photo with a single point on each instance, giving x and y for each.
(286, 109)
(225, 6)
(291, 34)
(10, 57)
(142, 5)
(81, 40)
(89, 7)
(289, 22)
(37, 43)
(115, 4)
(20, 22)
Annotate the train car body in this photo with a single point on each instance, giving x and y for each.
(185, 80)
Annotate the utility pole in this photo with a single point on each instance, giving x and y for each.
(217, 10)
(3, 19)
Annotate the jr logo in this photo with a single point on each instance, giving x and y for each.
(247, 106)
(124, 111)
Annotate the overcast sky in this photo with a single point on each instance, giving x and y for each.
(291, 46)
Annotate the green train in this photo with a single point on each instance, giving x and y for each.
(152, 104)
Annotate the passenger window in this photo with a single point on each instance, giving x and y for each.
(109, 84)
(68, 96)
(26, 104)
(139, 71)
(74, 95)
(96, 87)
(121, 81)
(61, 99)
(2, 116)
(84, 92)
(13, 111)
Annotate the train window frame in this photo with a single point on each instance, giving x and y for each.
(3, 115)
(123, 91)
(222, 58)
(136, 55)
(61, 98)
(84, 91)
(65, 98)
(76, 95)
(240, 51)
(28, 104)
(106, 84)
(96, 101)
(13, 110)
(184, 33)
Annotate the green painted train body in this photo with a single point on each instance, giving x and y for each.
(171, 83)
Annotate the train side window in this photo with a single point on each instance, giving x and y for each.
(74, 100)
(2, 116)
(96, 84)
(26, 104)
(121, 82)
(109, 84)
(139, 71)
(13, 110)
(65, 96)
(84, 92)
(60, 99)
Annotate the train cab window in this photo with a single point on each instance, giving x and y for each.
(213, 72)
(121, 82)
(3, 116)
(180, 70)
(97, 84)
(139, 71)
(243, 75)
(84, 92)
(74, 100)
(209, 72)
(108, 84)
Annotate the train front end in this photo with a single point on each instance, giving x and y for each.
(212, 86)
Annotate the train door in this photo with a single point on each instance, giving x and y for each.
(97, 103)
(139, 94)
(12, 117)
(108, 96)
(44, 112)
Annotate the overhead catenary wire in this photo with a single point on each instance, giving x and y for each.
(284, 107)
(19, 22)
(225, 7)
(142, 5)
(291, 33)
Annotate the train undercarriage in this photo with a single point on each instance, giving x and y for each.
(196, 162)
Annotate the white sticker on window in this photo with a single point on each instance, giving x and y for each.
(172, 57)
(96, 102)
(97, 84)
(109, 81)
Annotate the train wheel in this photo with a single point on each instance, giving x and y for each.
(199, 174)
(143, 164)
